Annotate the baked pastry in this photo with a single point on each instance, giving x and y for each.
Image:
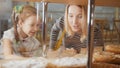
(113, 48)
(103, 57)
(117, 59)
(106, 57)
(68, 62)
(39, 62)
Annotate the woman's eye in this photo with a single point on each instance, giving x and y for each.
(80, 16)
(37, 25)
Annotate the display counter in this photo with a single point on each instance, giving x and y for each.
(66, 60)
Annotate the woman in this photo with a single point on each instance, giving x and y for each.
(75, 25)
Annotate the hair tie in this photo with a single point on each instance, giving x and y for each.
(18, 9)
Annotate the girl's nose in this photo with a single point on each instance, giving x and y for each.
(35, 28)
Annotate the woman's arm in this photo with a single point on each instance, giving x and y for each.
(8, 50)
(57, 27)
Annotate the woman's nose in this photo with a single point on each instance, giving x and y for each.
(74, 20)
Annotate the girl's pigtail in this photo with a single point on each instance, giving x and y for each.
(15, 21)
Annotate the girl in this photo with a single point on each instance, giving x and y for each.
(19, 42)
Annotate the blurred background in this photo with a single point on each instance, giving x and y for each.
(107, 17)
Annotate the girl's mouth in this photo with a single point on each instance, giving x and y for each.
(32, 33)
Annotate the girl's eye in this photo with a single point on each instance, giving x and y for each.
(70, 15)
(32, 25)
(38, 25)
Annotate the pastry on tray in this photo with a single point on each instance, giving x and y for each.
(103, 57)
(113, 48)
(106, 57)
(68, 62)
(39, 62)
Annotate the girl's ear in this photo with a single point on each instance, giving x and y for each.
(20, 22)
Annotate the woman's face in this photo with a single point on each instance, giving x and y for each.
(75, 17)
(31, 25)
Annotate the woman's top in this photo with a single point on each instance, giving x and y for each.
(74, 41)
(27, 47)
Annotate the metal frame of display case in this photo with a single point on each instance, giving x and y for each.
(112, 3)
(90, 32)
(44, 24)
(91, 4)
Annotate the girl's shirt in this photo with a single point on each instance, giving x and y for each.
(27, 47)
(72, 42)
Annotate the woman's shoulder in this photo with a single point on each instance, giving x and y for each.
(60, 21)
(59, 24)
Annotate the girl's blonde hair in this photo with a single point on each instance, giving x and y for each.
(83, 26)
(24, 12)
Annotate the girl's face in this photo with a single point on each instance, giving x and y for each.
(74, 18)
(31, 25)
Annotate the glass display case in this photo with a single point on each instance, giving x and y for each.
(100, 56)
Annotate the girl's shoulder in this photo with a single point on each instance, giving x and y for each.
(33, 39)
(11, 30)
(9, 34)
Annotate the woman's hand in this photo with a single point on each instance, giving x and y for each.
(52, 54)
(71, 50)
(68, 52)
